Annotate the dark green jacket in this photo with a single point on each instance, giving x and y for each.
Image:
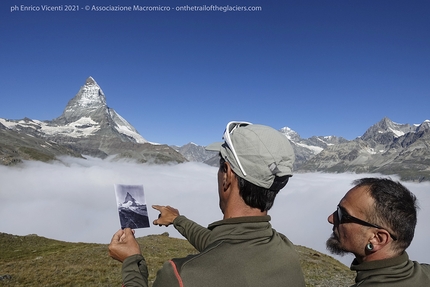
(393, 272)
(237, 252)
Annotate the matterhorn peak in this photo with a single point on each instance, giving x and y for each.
(89, 113)
(129, 198)
(90, 81)
(89, 100)
(90, 95)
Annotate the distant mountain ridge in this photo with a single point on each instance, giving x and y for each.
(88, 126)
(387, 147)
(195, 152)
(305, 149)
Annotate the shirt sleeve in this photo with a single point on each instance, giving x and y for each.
(197, 235)
(168, 276)
(134, 271)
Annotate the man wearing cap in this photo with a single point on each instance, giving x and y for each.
(242, 249)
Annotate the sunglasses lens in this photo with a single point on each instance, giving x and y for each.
(232, 126)
(339, 214)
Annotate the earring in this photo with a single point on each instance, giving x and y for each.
(369, 246)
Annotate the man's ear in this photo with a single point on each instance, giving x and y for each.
(229, 176)
(223, 167)
(380, 239)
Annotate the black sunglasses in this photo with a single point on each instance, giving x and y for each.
(344, 217)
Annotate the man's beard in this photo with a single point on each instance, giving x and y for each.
(333, 245)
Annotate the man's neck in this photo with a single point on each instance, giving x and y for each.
(241, 211)
(380, 255)
(233, 204)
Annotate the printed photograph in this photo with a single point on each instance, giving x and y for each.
(131, 203)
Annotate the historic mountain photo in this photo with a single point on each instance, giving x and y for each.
(131, 203)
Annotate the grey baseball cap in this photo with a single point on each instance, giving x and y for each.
(265, 155)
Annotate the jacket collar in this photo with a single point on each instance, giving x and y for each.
(238, 220)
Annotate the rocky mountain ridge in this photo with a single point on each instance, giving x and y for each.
(305, 149)
(387, 148)
(88, 127)
(195, 152)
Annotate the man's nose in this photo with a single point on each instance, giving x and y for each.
(330, 218)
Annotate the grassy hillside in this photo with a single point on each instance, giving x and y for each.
(37, 261)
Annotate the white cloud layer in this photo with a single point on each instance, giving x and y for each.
(77, 203)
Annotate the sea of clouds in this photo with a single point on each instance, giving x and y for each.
(75, 201)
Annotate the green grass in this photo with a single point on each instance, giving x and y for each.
(34, 154)
(37, 261)
(322, 270)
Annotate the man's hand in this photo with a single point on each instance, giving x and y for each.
(166, 216)
(123, 245)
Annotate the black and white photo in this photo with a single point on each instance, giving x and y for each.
(131, 203)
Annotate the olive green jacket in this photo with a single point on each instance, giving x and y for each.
(393, 272)
(237, 252)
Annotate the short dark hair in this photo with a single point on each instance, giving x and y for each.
(256, 196)
(395, 208)
(253, 195)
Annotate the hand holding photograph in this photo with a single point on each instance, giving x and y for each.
(131, 203)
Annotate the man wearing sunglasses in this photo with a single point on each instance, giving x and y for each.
(376, 222)
(242, 249)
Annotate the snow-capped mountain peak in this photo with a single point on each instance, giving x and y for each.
(85, 116)
(87, 127)
(290, 134)
(89, 98)
(90, 102)
(91, 95)
(384, 130)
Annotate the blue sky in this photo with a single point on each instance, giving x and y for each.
(323, 67)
